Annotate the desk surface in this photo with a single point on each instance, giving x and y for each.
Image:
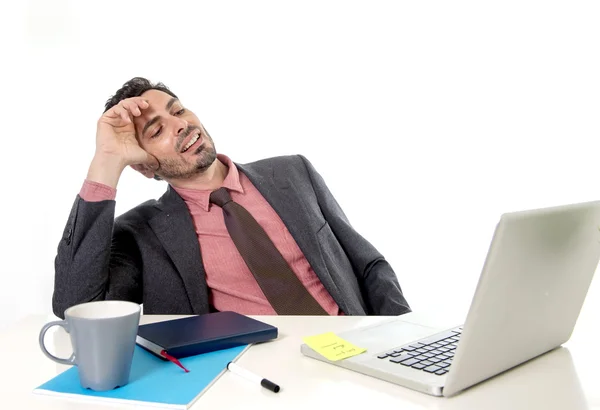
(566, 378)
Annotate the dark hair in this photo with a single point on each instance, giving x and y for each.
(134, 88)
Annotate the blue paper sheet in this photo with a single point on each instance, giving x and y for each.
(153, 380)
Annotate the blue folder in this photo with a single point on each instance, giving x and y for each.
(152, 380)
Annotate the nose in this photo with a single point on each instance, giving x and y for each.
(180, 125)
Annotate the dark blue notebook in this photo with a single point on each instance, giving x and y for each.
(204, 333)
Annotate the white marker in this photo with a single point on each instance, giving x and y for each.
(267, 384)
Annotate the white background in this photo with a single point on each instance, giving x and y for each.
(447, 113)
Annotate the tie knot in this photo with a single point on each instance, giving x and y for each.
(220, 197)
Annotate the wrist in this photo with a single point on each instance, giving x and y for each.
(106, 170)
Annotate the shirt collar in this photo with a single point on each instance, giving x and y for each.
(201, 197)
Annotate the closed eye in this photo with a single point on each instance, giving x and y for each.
(180, 112)
(157, 133)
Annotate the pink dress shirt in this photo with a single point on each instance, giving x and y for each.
(232, 285)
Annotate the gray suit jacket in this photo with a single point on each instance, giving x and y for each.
(151, 253)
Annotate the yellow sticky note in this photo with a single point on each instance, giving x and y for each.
(332, 346)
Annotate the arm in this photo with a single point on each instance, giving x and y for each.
(97, 259)
(379, 283)
(93, 262)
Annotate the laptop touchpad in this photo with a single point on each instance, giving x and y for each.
(387, 335)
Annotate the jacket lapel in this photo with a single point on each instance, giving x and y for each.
(175, 230)
(283, 196)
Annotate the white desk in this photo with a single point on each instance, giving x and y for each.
(567, 378)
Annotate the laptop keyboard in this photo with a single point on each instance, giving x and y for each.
(433, 354)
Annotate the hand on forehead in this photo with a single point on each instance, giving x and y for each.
(160, 105)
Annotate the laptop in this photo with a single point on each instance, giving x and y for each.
(529, 295)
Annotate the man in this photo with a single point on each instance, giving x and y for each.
(261, 238)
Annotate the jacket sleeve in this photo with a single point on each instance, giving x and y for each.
(379, 283)
(97, 259)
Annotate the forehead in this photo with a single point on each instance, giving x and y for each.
(157, 99)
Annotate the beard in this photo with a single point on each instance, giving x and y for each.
(180, 168)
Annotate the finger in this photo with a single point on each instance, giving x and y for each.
(117, 112)
(125, 107)
(123, 113)
(134, 103)
(152, 162)
(114, 122)
(147, 172)
(144, 170)
(112, 113)
(138, 100)
(141, 102)
(132, 107)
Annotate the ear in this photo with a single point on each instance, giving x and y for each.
(144, 170)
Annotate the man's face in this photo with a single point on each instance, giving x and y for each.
(175, 136)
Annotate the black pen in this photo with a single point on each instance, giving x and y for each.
(267, 384)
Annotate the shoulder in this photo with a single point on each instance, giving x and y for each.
(290, 162)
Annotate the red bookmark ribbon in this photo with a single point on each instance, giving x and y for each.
(170, 358)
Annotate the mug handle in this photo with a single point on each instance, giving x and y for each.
(64, 324)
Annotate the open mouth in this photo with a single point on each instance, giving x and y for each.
(191, 142)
